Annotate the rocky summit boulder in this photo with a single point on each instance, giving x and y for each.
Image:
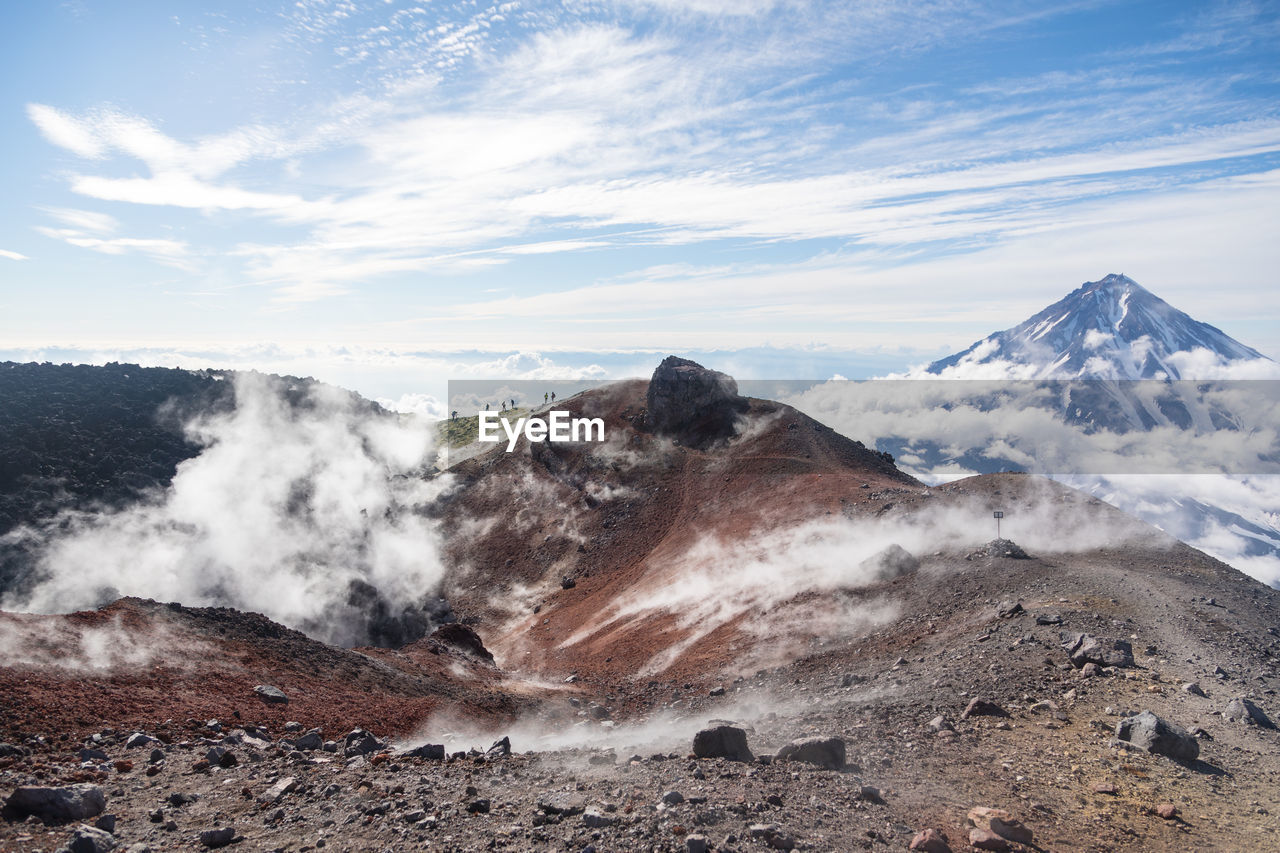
(1158, 736)
(828, 752)
(53, 805)
(722, 742)
(692, 404)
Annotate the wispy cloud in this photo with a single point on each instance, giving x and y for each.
(13, 256)
(493, 135)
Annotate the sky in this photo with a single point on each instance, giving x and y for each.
(387, 193)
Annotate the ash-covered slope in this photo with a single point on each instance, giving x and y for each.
(1108, 329)
(137, 663)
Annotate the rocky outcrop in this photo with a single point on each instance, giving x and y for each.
(696, 406)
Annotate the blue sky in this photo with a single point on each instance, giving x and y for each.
(421, 188)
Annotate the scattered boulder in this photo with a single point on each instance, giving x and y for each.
(1158, 736)
(89, 839)
(56, 805)
(500, 747)
(1193, 688)
(277, 791)
(979, 707)
(692, 404)
(1241, 710)
(929, 841)
(567, 804)
(999, 823)
(138, 739)
(722, 742)
(696, 844)
(309, 742)
(1009, 609)
(360, 742)
(271, 695)
(1048, 619)
(218, 837)
(1168, 811)
(432, 751)
(463, 638)
(892, 562)
(8, 750)
(1085, 648)
(828, 752)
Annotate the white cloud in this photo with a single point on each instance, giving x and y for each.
(13, 256)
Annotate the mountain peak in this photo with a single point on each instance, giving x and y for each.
(1112, 328)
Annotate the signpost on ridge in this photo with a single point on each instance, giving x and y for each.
(998, 515)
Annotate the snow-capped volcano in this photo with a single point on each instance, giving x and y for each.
(1108, 329)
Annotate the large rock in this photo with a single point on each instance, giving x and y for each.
(828, 752)
(695, 405)
(90, 839)
(722, 742)
(271, 695)
(1241, 710)
(462, 637)
(1158, 736)
(70, 802)
(894, 561)
(1085, 648)
(360, 742)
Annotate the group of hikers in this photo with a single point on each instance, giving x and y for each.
(547, 397)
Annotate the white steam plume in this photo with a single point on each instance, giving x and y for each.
(285, 507)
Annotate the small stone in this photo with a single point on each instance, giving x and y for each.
(868, 794)
(979, 707)
(672, 798)
(1104, 788)
(156, 756)
(1158, 736)
(1090, 670)
(1168, 811)
(478, 807)
(1193, 688)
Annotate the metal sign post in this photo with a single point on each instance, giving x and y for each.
(998, 515)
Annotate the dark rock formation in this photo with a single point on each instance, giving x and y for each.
(462, 637)
(696, 406)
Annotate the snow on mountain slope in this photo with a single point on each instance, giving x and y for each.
(1108, 329)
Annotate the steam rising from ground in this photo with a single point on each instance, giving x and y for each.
(87, 649)
(289, 503)
(715, 582)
